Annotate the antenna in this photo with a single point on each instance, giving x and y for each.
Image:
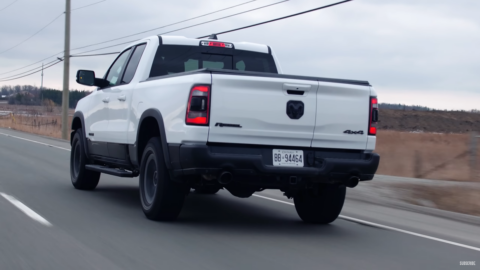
(213, 36)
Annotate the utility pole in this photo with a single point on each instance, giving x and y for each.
(66, 71)
(41, 85)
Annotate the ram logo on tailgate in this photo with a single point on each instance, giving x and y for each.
(295, 109)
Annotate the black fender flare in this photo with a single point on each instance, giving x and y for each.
(79, 115)
(155, 113)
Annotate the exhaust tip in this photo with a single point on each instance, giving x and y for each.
(225, 178)
(352, 181)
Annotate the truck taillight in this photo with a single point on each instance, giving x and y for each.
(372, 124)
(198, 107)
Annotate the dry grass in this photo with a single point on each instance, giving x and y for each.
(415, 154)
(458, 198)
(34, 119)
(23, 123)
(44, 110)
(429, 121)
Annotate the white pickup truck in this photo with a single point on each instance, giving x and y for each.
(205, 114)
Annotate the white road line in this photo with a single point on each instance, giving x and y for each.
(49, 145)
(29, 212)
(384, 226)
(40, 219)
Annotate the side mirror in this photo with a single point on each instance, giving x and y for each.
(87, 77)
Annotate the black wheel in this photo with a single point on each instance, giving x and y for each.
(322, 208)
(81, 178)
(207, 189)
(161, 197)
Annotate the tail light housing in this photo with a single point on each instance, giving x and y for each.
(198, 107)
(373, 120)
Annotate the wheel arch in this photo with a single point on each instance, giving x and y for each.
(149, 118)
(78, 121)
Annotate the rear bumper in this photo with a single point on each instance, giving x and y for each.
(253, 164)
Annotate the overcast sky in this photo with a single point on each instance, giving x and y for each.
(423, 52)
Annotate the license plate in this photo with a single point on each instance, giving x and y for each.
(288, 158)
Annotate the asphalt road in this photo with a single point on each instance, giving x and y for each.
(106, 229)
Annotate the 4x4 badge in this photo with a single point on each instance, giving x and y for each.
(360, 132)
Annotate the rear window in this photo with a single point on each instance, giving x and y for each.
(171, 59)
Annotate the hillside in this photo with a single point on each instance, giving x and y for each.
(429, 121)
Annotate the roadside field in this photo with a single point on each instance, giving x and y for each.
(429, 121)
(40, 120)
(425, 155)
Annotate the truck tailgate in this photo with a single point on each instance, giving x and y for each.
(253, 110)
(342, 116)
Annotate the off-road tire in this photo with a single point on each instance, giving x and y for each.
(161, 197)
(322, 208)
(82, 178)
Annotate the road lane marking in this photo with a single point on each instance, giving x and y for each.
(29, 212)
(383, 226)
(40, 219)
(49, 145)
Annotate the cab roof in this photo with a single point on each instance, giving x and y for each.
(180, 40)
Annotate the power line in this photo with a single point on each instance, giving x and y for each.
(98, 54)
(164, 26)
(194, 25)
(26, 71)
(124, 36)
(31, 35)
(224, 32)
(281, 18)
(88, 5)
(31, 64)
(9, 5)
(236, 29)
(128, 42)
(56, 18)
(30, 73)
(123, 43)
(38, 69)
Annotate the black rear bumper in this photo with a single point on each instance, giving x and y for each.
(253, 164)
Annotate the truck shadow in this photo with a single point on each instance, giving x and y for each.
(123, 196)
(223, 213)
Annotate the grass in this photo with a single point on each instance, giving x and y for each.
(38, 120)
(458, 198)
(46, 128)
(422, 155)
